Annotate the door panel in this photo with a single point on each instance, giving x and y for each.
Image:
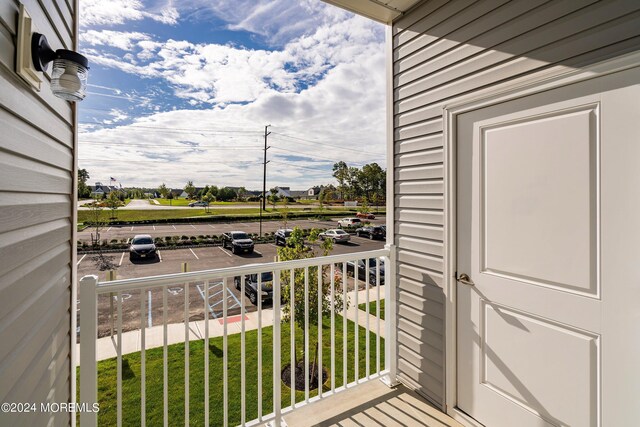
(531, 331)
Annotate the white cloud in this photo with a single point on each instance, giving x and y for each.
(114, 12)
(325, 85)
(276, 20)
(120, 39)
(215, 73)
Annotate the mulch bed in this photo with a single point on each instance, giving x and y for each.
(299, 376)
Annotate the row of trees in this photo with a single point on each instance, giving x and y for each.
(367, 183)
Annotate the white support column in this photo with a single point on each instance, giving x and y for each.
(88, 337)
(390, 340)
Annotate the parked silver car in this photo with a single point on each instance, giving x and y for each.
(337, 235)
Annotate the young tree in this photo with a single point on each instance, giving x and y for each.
(208, 199)
(190, 189)
(273, 197)
(284, 213)
(113, 202)
(297, 249)
(170, 198)
(97, 221)
(163, 190)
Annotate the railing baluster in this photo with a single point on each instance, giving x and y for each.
(319, 365)
(143, 361)
(206, 353)
(117, 288)
(277, 398)
(345, 278)
(186, 354)
(119, 363)
(225, 349)
(378, 315)
(259, 350)
(306, 334)
(333, 328)
(88, 336)
(366, 279)
(243, 384)
(292, 323)
(165, 363)
(356, 286)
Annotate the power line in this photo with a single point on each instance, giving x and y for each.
(162, 162)
(300, 167)
(325, 143)
(181, 130)
(312, 155)
(169, 146)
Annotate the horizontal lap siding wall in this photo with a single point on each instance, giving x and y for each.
(36, 223)
(442, 50)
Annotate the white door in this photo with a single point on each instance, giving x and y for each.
(548, 233)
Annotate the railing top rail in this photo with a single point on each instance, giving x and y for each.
(175, 278)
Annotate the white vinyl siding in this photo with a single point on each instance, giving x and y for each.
(441, 51)
(36, 224)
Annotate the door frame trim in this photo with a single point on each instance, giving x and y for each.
(550, 78)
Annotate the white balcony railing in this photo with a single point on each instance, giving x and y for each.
(340, 280)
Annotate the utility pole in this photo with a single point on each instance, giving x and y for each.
(264, 175)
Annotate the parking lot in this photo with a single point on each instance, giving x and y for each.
(170, 261)
(156, 230)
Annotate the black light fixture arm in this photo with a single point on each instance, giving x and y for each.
(42, 53)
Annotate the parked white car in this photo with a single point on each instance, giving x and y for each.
(349, 222)
(338, 236)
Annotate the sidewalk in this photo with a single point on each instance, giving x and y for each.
(131, 341)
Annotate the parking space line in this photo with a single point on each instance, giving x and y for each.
(174, 227)
(81, 259)
(211, 226)
(193, 226)
(149, 309)
(132, 228)
(128, 238)
(207, 302)
(220, 247)
(275, 246)
(109, 229)
(159, 256)
(121, 258)
(194, 254)
(154, 228)
(259, 253)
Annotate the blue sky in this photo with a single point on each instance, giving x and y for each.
(182, 90)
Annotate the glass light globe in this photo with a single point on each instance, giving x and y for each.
(68, 80)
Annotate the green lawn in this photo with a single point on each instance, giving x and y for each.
(185, 202)
(154, 376)
(146, 215)
(372, 308)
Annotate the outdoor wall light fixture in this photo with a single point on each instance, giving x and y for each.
(69, 74)
(70, 69)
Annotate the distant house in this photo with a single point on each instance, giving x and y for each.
(283, 191)
(313, 193)
(297, 194)
(176, 193)
(100, 190)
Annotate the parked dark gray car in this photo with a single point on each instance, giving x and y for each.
(237, 241)
(251, 286)
(142, 246)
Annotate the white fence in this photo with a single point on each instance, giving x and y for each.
(335, 275)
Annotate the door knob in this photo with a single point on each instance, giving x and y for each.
(465, 279)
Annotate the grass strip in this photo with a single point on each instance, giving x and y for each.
(154, 376)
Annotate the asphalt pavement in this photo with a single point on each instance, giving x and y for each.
(206, 229)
